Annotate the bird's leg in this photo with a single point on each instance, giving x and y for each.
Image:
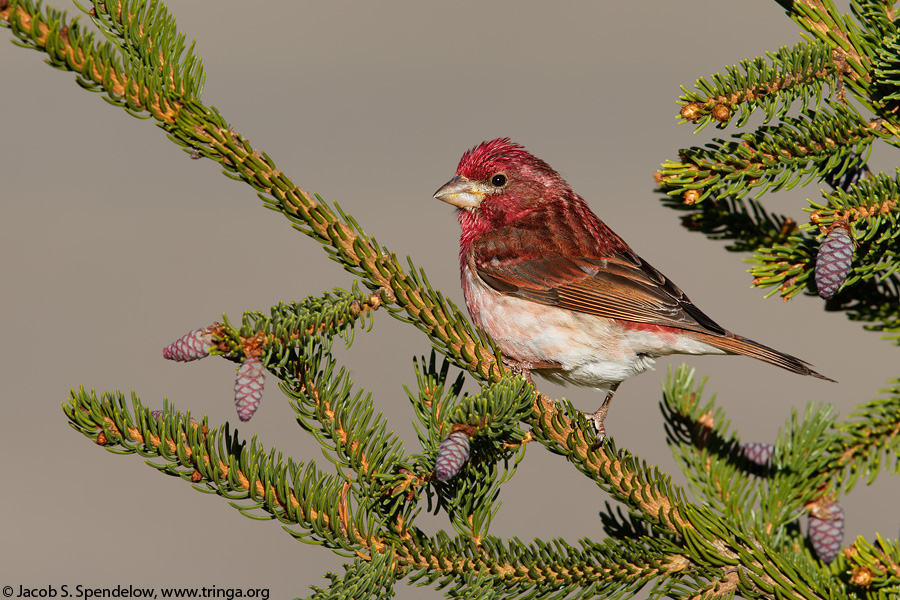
(597, 417)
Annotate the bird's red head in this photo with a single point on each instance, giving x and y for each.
(497, 182)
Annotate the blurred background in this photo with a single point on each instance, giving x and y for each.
(113, 243)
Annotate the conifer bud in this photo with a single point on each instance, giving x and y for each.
(833, 262)
(721, 113)
(692, 112)
(452, 455)
(248, 387)
(758, 453)
(826, 530)
(191, 346)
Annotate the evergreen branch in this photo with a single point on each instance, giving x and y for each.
(709, 453)
(870, 570)
(874, 301)
(491, 419)
(433, 399)
(292, 493)
(877, 18)
(822, 19)
(407, 296)
(712, 459)
(744, 222)
(150, 44)
(772, 158)
(868, 441)
(288, 324)
(201, 129)
(254, 480)
(329, 514)
(97, 65)
(708, 539)
(341, 420)
(611, 569)
(870, 209)
(886, 76)
(362, 579)
(799, 474)
(798, 73)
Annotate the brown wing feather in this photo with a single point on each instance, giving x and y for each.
(620, 286)
(526, 264)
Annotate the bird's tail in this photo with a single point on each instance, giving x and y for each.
(747, 347)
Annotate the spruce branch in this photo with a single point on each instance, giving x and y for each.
(773, 158)
(196, 127)
(366, 509)
(868, 209)
(709, 451)
(406, 295)
(824, 21)
(870, 569)
(328, 510)
(744, 222)
(868, 441)
(713, 459)
(796, 75)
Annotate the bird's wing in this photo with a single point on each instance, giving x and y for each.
(529, 264)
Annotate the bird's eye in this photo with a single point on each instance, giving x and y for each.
(498, 180)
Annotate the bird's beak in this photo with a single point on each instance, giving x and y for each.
(461, 193)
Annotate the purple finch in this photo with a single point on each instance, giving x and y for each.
(560, 293)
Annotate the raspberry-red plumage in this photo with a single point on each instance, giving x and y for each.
(530, 237)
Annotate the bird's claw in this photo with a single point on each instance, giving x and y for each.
(598, 417)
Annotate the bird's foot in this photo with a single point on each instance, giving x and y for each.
(598, 417)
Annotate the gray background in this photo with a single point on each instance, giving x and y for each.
(114, 243)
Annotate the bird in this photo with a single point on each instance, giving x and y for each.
(559, 292)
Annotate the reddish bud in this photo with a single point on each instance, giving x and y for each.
(861, 576)
(691, 112)
(452, 455)
(248, 387)
(191, 346)
(721, 113)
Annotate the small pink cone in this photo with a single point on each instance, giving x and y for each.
(191, 346)
(833, 262)
(452, 455)
(826, 531)
(758, 453)
(248, 387)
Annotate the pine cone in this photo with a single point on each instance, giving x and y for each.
(826, 531)
(833, 262)
(758, 453)
(248, 387)
(191, 346)
(452, 455)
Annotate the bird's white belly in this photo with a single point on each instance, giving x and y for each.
(588, 350)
